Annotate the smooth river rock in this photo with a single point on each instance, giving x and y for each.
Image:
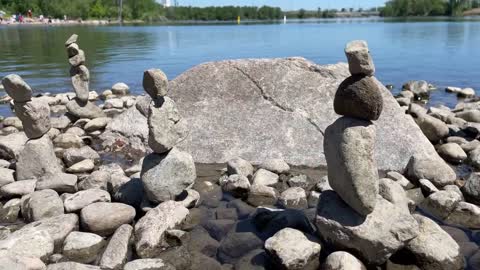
(359, 97)
(35, 116)
(103, 218)
(270, 108)
(155, 83)
(17, 88)
(352, 172)
(167, 175)
(37, 159)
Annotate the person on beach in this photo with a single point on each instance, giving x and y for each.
(29, 13)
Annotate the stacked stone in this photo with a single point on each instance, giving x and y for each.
(350, 141)
(354, 216)
(37, 158)
(167, 172)
(78, 71)
(80, 75)
(35, 115)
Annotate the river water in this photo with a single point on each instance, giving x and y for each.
(443, 52)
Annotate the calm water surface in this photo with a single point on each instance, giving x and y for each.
(441, 52)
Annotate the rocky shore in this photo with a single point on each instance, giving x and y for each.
(316, 167)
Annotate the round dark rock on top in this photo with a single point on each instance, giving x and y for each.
(359, 97)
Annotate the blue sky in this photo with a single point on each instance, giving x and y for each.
(287, 4)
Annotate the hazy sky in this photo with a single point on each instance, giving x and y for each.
(288, 4)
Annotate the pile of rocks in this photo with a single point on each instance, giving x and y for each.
(80, 107)
(368, 216)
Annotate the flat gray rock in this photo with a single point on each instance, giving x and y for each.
(72, 266)
(374, 237)
(17, 88)
(118, 250)
(35, 116)
(104, 218)
(82, 199)
(271, 108)
(41, 205)
(83, 247)
(81, 109)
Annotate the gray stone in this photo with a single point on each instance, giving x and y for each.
(262, 195)
(359, 59)
(265, 178)
(13, 121)
(10, 261)
(433, 128)
(352, 172)
(471, 189)
(94, 218)
(342, 260)
(440, 204)
(130, 123)
(72, 39)
(292, 250)
(420, 89)
(275, 165)
(60, 123)
(166, 127)
(466, 215)
(120, 89)
(72, 49)
(82, 199)
(83, 247)
(78, 59)
(282, 100)
(430, 168)
(29, 243)
(97, 124)
(41, 205)
(427, 186)
(239, 241)
(240, 166)
(83, 166)
(471, 145)
(37, 159)
(469, 115)
(17, 189)
(35, 116)
(394, 193)
(400, 179)
(81, 109)
(374, 237)
(218, 228)
(167, 175)
(236, 184)
(201, 241)
(155, 83)
(74, 155)
(118, 250)
(452, 152)
(302, 181)
(474, 157)
(17, 88)
(68, 140)
(72, 266)
(60, 182)
(433, 248)
(150, 229)
(148, 264)
(6, 176)
(294, 198)
(80, 81)
(359, 97)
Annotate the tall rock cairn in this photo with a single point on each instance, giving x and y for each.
(80, 107)
(78, 71)
(167, 172)
(349, 142)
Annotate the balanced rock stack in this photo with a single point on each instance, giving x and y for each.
(167, 172)
(80, 107)
(372, 226)
(37, 158)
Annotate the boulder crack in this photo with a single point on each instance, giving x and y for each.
(275, 103)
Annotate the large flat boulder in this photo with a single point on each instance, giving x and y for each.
(279, 108)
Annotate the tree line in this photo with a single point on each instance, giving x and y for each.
(148, 10)
(403, 8)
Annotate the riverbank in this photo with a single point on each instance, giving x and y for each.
(257, 199)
